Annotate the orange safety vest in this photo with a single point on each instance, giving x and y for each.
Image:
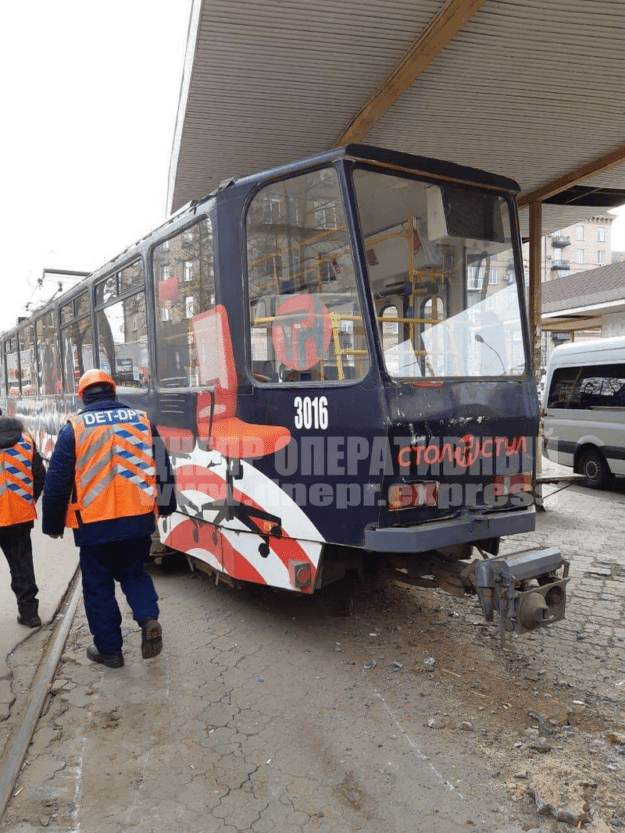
(115, 475)
(17, 498)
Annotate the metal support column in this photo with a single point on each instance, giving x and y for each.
(535, 310)
(535, 293)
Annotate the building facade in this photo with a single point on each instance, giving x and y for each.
(577, 248)
(567, 251)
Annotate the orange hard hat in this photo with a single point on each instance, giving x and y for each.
(94, 377)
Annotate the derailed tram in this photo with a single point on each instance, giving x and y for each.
(336, 355)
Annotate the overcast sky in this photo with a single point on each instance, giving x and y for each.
(88, 103)
(618, 230)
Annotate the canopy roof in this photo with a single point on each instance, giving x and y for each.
(523, 88)
(577, 302)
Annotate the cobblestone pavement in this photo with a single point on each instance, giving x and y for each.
(269, 712)
(589, 529)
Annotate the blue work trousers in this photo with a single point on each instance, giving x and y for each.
(104, 564)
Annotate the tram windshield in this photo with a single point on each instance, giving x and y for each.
(441, 269)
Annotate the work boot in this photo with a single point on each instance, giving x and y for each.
(151, 638)
(30, 621)
(112, 660)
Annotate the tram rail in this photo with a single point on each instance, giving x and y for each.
(11, 765)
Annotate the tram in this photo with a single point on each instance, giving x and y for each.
(335, 353)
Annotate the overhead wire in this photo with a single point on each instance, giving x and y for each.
(39, 284)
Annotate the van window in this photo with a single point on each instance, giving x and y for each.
(593, 386)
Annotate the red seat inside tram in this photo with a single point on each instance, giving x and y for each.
(217, 423)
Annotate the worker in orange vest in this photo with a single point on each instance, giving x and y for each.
(22, 477)
(108, 478)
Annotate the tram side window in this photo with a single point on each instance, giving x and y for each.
(184, 278)
(106, 291)
(305, 313)
(2, 375)
(13, 382)
(77, 349)
(67, 312)
(131, 277)
(28, 370)
(82, 305)
(123, 341)
(49, 370)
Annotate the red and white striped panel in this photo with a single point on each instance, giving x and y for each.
(232, 548)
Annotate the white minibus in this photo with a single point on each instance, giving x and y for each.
(584, 409)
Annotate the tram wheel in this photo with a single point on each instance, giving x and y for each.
(174, 562)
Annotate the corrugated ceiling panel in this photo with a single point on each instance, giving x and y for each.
(612, 178)
(529, 89)
(274, 80)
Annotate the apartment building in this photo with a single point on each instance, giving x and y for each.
(566, 251)
(576, 248)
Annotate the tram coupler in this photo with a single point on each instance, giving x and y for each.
(526, 588)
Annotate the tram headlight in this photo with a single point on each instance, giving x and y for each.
(512, 484)
(408, 495)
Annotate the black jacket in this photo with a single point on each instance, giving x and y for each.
(11, 431)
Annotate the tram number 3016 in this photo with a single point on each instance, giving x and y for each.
(311, 412)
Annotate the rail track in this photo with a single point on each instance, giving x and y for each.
(13, 759)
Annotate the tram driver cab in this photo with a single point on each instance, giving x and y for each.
(386, 306)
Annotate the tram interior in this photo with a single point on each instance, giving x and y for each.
(440, 268)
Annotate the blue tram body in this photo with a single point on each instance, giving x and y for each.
(336, 354)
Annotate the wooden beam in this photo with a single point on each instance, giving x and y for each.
(568, 326)
(434, 38)
(611, 159)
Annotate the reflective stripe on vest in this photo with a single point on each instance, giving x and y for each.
(115, 474)
(17, 499)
